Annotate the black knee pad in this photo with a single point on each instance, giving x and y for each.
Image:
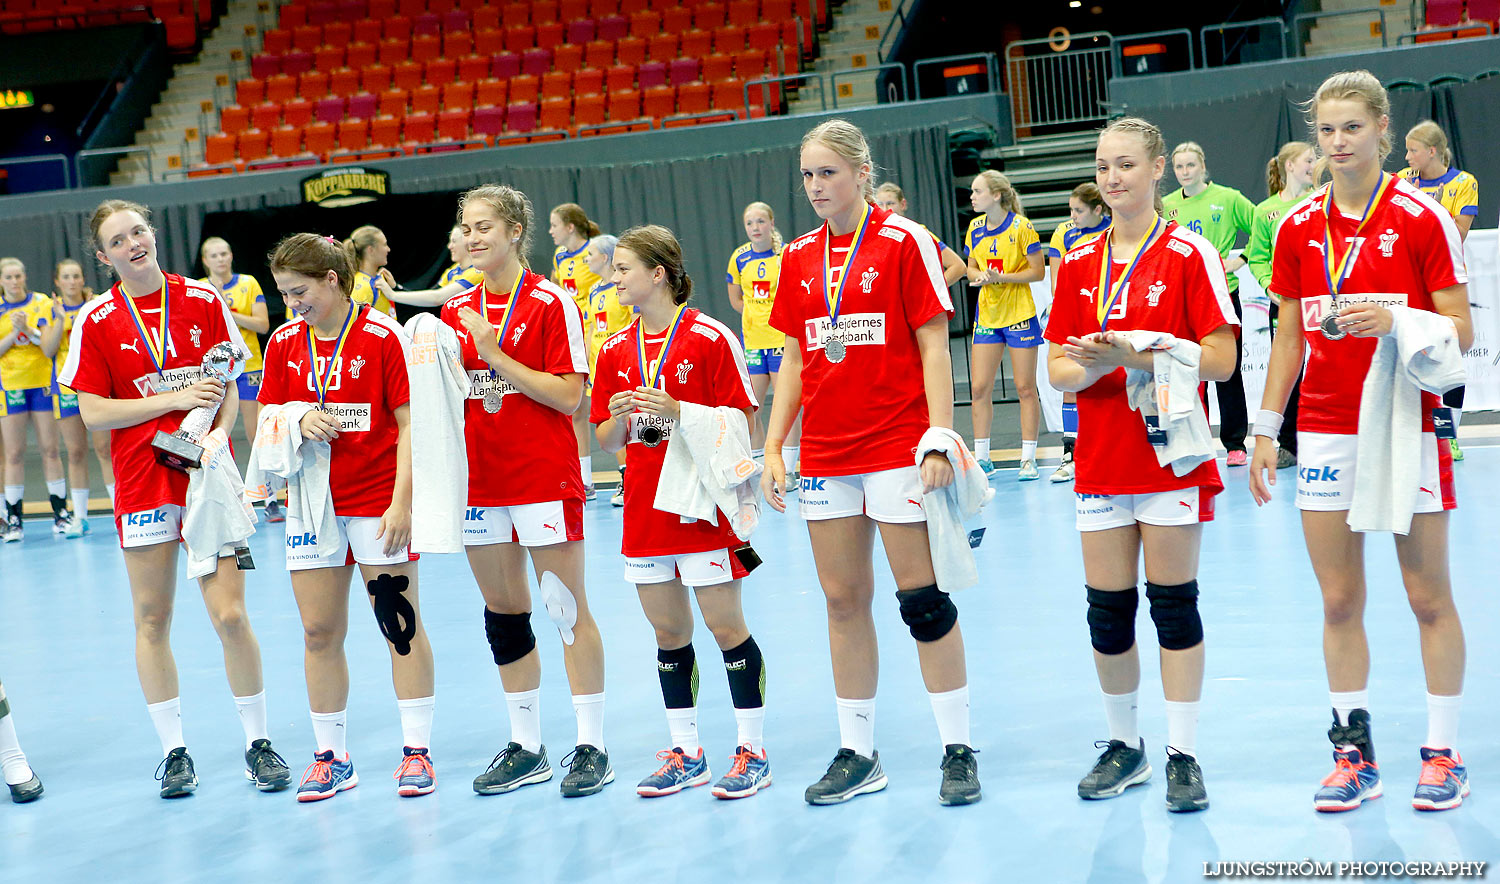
(1112, 619)
(1174, 609)
(928, 612)
(510, 636)
(394, 611)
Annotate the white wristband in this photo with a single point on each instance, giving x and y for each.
(1268, 424)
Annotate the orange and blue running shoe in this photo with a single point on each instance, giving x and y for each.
(751, 773)
(415, 776)
(1352, 782)
(1444, 783)
(326, 777)
(679, 771)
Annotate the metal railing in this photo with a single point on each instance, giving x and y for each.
(766, 83)
(892, 29)
(1457, 32)
(1238, 28)
(1065, 86)
(701, 118)
(991, 68)
(58, 158)
(1295, 32)
(617, 127)
(873, 70)
(1119, 44)
(82, 155)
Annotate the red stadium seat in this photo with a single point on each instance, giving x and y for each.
(693, 98)
(514, 14)
(338, 33)
(683, 70)
(536, 61)
(676, 19)
(491, 93)
(765, 36)
(505, 65)
(556, 84)
(525, 89)
(253, 144)
(426, 47)
(662, 47)
(550, 35)
(393, 103)
(385, 131)
(297, 112)
(488, 41)
(363, 105)
(276, 42)
(645, 24)
(453, 124)
(411, 8)
(380, 10)
(369, 31)
(744, 12)
(729, 95)
(441, 71)
(588, 110)
(281, 87)
(457, 44)
(568, 57)
(343, 82)
(484, 17)
(659, 101)
(600, 8)
(556, 113)
(320, 138)
(697, 43)
(631, 6)
(427, 24)
(459, 95)
(286, 141)
(580, 30)
(631, 50)
(306, 38)
(619, 76)
(329, 110)
(394, 50)
(729, 39)
(234, 119)
(776, 10)
(292, 15)
(399, 26)
(250, 91)
(218, 149)
(489, 121)
(360, 55)
(296, 63)
(543, 11)
(717, 67)
(624, 105)
(588, 81)
(427, 99)
(611, 27)
(420, 128)
(520, 117)
(572, 10)
(652, 73)
(407, 75)
(519, 38)
(354, 134)
(473, 67)
(750, 64)
(328, 58)
(709, 16)
(265, 116)
(312, 85)
(599, 53)
(376, 78)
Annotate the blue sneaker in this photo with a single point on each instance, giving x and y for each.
(1444, 783)
(750, 774)
(678, 771)
(415, 776)
(327, 777)
(988, 467)
(1352, 782)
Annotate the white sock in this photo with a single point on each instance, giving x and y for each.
(981, 449)
(253, 717)
(752, 726)
(1028, 449)
(80, 502)
(790, 457)
(416, 722)
(857, 725)
(951, 709)
(57, 487)
(166, 716)
(586, 466)
(1344, 703)
(1457, 416)
(12, 759)
(525, 709)
(110, 490)
(13, 495)
(589, 710)
(1182, 726)
(757, 453)
(682, 724)
(329, 732)
(1120, 711)
(1442, 720)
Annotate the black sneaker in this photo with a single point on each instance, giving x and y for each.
(588, 771)
(26, 792)
(265, 768)
(960, 776)
(1117, 769)
(13, 531)
(176, 774)
(1185, 792)
(513, 768)
(849, 774)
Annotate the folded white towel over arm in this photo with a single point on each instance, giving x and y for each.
(216, 517)
(947, 509)
(304, 464)
(1170, 393)
(439, 458)
(1420, 353)
(708, 468)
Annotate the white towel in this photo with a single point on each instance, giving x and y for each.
(947, 508)
(1170, 392)
(708, 469)
(216, 517)
(1420, 353)
(439, 459)
(280, 451)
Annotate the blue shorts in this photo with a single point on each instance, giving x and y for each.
(249, 386)
(1022, 335)
(764, 361)
(64, 401)
(34, 399)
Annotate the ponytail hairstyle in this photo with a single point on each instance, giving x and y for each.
(1000, 187)
(656, 246)
(513, 208)
(1151, 139)
(1432, 135)
(310, 255)
(57, 273)
(1276, 177)
(847, 141)
(574, 216)
(359, 242)
(776, 238)
(1350, 86)
(1088, 194)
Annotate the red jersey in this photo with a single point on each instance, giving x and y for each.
(706, 366)
(106, 357)
(366, 385)
(1409, 249)
(1177, 287)
(525, 452)
(868, 412)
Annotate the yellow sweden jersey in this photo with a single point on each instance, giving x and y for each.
(755, 273)
(69, 314)
(1003, 250)
(243, 293)
(605, 317)
(1457, 191)
(1067, 235)
(570, 270)
(467, 276)
(24, 367)
(364, 293)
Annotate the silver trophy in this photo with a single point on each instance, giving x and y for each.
(181, 450)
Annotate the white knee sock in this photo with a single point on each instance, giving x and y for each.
(1028, 449)
(1182, 726)
(110, 490)
(589, 710)
(586, 466)
(682, 724)
(982, 448)
(752, 727)
(253, 717)
(416, 722)
(1442, 720)
(57, 487)
(12, 759)
(857, 725)
(329, 732)
(791, 457)
(525, 709)
(951, 709)
(1121, 713)
(80, 502)
(166, 716)
(14, 493)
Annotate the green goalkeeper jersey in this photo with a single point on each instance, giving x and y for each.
(1219, 214)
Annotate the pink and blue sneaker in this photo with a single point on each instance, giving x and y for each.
(326, 777)
(1444, 783)
(1352, 782)
(751, 773)
(678, 771)
(415, 776)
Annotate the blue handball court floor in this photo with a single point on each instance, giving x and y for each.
(66, 660)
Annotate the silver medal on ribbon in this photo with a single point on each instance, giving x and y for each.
(835, 350)
(1330, 327)
(492, 401)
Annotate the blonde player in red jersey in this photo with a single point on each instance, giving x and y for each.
(862, 302)
(1144, 274)
(674, 354)
(1352, 255)
(135, 361)
(524, 348)
(349, 360)
(571, 231)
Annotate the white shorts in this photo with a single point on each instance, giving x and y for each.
(530, 524)
(696, 569)
(1100, 512)
(356, 543)
(161, 525)
(893, 496)
(1325, 473)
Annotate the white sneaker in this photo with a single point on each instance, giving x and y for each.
(1028, 471)
(1064, 471)
(77, 526)
(618, 498)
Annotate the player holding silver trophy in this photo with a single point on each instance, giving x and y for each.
(182, 450)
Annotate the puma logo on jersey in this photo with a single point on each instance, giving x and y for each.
(552, 528)
(1428, 491)
(914, 502)
(1388, 242)
(625, 375)
(1316, 245)
(294, 366)
(867, 280)
(1087, 294)
(132, 346)
(462, 334)
(718, 565)
(1183, 503)
(806, 286)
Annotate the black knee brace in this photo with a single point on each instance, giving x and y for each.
(394, 611)
(928, 612)
(510, 636)
(1112, 619)
(1174, 609)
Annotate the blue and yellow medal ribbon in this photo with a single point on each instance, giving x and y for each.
(1109, 295)
(158, 357)
(651, 379)
(835, 295)
(1337, 272)
(322, 379)
(506, 314)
